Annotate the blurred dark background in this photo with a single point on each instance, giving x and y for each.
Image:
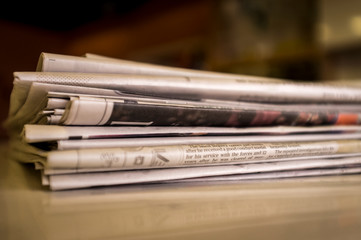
(309, 40)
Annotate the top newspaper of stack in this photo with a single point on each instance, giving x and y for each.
(68, 90)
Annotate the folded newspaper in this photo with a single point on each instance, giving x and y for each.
(96, 121)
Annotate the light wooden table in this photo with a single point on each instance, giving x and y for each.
(304, 208)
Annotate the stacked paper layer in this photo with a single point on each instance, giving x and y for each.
(97, 121)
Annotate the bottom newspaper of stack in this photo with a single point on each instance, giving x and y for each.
(73, 157)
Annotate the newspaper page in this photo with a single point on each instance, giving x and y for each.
(115, 95)
(57, 171)
(105, 111)
(41, 133)
(214, 104)
(352, 169)
(85, 180)
(49, 62)
(159, 141)
(196, 88)
(197, 154)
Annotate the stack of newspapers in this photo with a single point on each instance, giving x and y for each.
(95, 121)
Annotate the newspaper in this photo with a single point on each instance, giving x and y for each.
(159, 141)
(49, 62)
(135, 109)
(30, 89)
(197, 88)
(106, 111)
(85, 180)
(195, 154)
(179, 124)
(352, 169)
(41, 133)
(147, 153)
(209, 103)
(58, 171)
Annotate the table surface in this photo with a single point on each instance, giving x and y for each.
(302, 208)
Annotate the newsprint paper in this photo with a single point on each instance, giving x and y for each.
(95, 121)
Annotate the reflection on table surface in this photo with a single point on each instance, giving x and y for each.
(312, 208)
